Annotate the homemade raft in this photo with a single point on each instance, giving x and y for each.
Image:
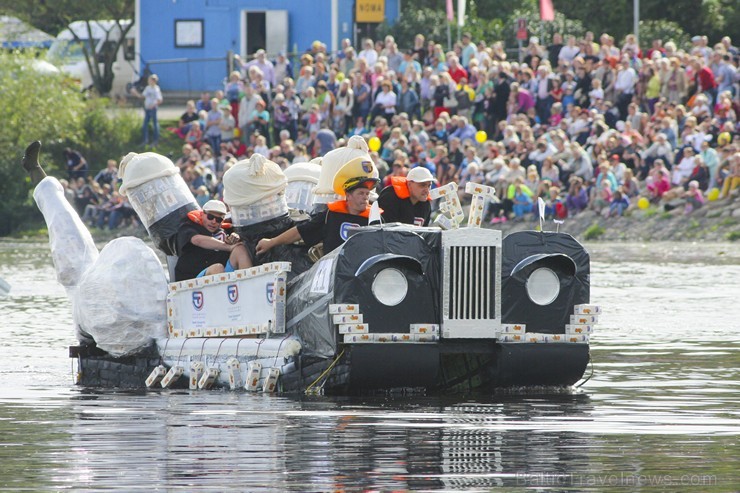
(437, 309)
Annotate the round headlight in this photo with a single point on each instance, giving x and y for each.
(390, 286)
(543, 286)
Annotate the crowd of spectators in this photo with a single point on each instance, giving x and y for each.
(583, 123)
(96, 199)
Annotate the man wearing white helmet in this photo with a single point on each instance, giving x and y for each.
(354, 180)
(406, 199)
(204, 247)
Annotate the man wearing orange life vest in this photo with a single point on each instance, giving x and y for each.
(406, 199)
(204, 248)
(354, 180)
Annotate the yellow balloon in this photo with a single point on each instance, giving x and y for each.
(237, 132)
(713, 194)
(374, 144)
(481, 136)
(643, 203)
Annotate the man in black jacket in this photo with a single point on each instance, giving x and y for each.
(203, 246)
(354, 180)
(406, 199)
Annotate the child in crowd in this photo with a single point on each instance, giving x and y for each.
(522, 203)
(260, 146)
(596, 94)
(194, 135)
(313, 119)
(619, 204)
(556, 115)
(694, 197)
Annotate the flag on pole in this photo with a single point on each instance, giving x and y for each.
(450, 13)
(461, 12)
(547, 12)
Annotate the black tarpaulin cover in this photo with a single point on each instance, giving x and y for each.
(335, 279)
(297, 255)
(164, 232)
(516, 305)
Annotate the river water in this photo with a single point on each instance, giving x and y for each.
(661, 411)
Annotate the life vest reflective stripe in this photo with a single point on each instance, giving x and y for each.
(400, 187)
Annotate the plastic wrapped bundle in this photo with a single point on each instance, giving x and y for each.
(121, 299)
(330, 164)
(72, 248)
(158, 194)
(302, 180)
(254, 188)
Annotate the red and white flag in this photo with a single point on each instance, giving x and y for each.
(450, 13)
(547, 12)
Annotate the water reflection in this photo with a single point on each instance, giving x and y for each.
(663, 403)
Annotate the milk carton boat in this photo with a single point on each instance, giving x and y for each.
(436, 309)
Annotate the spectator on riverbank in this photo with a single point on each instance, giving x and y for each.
(595, 104)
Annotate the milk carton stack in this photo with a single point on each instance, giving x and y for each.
(579, 329)
(582, 323)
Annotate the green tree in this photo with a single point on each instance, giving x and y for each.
(60, 13)
(45, 107)
(432, 23)
(35, 106)
(715, 18)
(665, 31)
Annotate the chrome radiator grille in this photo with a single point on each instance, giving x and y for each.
(472, 290)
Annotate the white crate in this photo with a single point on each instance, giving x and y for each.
(403, 337)
(513, 328)
(579, 329)
(425, 337)
(534, 338)
(511, 337)
(357, 338)
(586, 309)
(222, 304)
(354, 328)
(343, 308)
(576, 338)
(424, 328)
(584, 319)
(347, 318)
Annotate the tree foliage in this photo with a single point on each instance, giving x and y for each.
(715, 18)
(48, 108)
(52, 111)
(431, 23)
(665, 31)
(55, 16)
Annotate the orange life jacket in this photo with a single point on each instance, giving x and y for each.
(401, 187)
(198, 215)
(341, 207)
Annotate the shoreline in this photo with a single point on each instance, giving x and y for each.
(717, 221)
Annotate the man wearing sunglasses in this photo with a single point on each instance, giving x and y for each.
(204, 248)
(354, 180)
